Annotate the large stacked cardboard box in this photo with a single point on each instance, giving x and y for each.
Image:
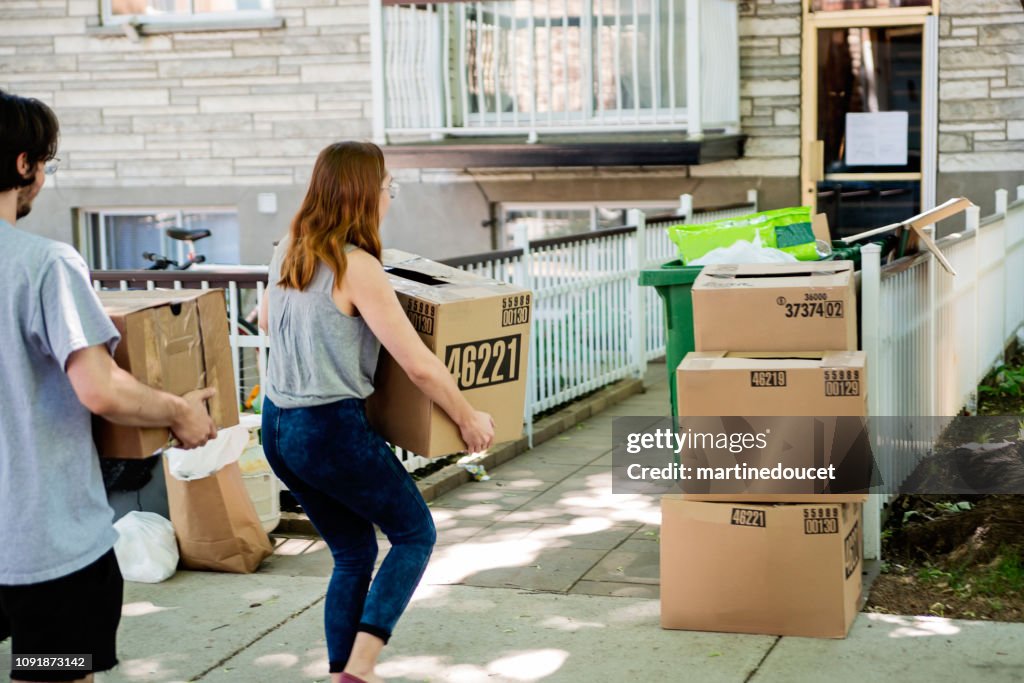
(773, 341)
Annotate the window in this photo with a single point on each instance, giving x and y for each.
(116, 239)
(544, 220)
(116, 11)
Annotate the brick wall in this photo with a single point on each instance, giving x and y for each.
(229, 108)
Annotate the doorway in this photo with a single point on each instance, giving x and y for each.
(869, 110)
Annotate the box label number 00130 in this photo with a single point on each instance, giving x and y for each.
(484, 363)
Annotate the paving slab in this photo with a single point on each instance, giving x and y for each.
(566, 454)
(553, 569)
(645, 544)
(575, 501)
(525, 467)
(627, 566)
(179, 629)
(528, 563)
(884, 647)
(462, 634)
(591, 533)
(501, 482)
(620, 590)
(304, 557)
(453, 517)
(566, 512)
(469, 496)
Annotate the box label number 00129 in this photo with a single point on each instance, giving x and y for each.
(484, 363)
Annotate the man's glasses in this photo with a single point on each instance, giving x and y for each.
(51, 167)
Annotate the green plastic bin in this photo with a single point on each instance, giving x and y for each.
(673, 282)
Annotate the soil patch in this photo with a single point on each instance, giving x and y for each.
(960, 556)
(953, 557)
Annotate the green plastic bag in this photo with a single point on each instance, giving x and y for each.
(694, 241)
(793, 232)
(786, 229)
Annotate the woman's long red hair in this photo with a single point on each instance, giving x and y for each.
(342, 206)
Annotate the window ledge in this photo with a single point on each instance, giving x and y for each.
(152, 27)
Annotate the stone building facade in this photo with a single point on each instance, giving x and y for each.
(189, 118)
(981, 98)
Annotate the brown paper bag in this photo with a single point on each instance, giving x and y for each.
(215, 522)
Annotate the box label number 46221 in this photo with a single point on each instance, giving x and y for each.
(484, 363)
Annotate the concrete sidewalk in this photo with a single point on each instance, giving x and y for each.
(540, 574)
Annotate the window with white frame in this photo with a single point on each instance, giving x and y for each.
(116, 239)
(560, 219)
(119, 11)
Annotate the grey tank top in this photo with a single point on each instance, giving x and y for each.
(318, 354)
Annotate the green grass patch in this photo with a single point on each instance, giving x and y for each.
(1002, 577)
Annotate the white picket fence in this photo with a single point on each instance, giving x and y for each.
(931, 338)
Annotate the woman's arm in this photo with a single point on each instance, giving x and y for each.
(367, 288)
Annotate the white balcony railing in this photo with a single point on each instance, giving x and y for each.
(556, 66)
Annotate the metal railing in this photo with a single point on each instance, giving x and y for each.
(557, 66)
(931, 338)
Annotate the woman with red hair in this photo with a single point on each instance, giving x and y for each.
(328, 309)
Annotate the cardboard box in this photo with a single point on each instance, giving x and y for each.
(826, 384)
(480, 329)
(794, 306)
(176, 341)
(912, 235)
(747, 383)
(784, 570)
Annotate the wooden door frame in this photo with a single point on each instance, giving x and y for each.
(810, 155)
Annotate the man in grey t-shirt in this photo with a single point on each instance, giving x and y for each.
(60, 587)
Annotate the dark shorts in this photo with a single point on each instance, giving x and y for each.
(74, 615)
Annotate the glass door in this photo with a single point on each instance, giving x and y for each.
(866, 115)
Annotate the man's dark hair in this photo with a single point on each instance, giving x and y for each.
(26, 125)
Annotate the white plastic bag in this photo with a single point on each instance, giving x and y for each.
(204, 461)
(146, 547)
(743, 251)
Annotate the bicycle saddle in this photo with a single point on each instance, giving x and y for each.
(186, 235)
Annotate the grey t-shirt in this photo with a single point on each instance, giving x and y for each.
(320, 355)
(54, 515)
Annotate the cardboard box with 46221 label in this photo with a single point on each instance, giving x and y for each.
(479, 328)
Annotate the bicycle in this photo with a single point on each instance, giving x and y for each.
(190, 237)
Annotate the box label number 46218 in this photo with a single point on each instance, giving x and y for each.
(484, 363)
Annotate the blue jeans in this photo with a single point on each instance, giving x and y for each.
(347, 479)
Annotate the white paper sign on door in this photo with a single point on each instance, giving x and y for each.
(876, 138)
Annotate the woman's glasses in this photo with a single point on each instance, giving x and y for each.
(392, 189)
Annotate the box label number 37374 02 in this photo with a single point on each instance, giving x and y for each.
(484, 363)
